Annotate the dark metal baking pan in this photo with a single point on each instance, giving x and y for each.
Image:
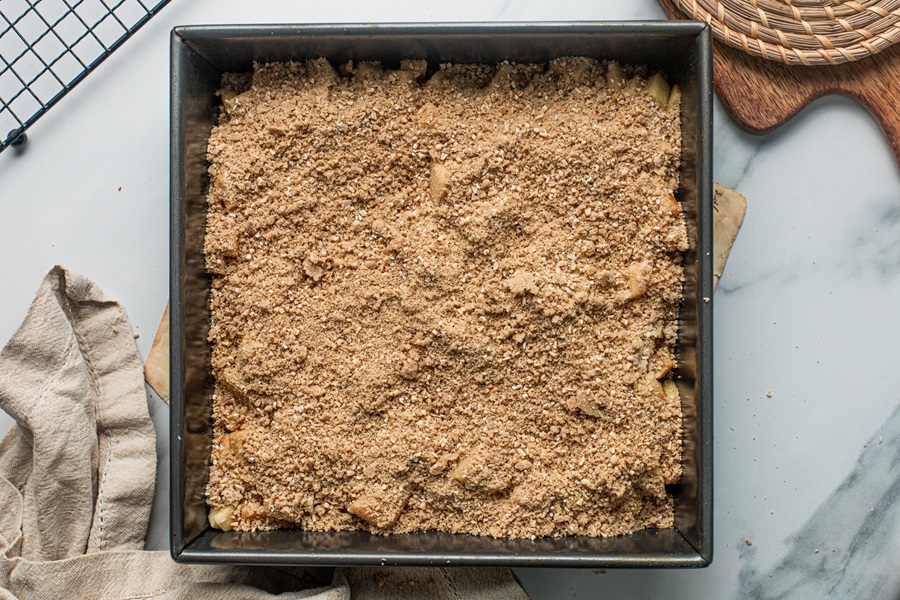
(199, 57)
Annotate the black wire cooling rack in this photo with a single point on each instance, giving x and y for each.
(48, 46)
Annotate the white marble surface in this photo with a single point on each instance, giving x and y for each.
(807, 307)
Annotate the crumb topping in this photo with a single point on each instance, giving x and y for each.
(445, 302)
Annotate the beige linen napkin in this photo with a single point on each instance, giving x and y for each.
(77, 474)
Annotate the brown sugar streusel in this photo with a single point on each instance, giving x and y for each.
(445, 302)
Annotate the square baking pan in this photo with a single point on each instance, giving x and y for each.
(201, 54)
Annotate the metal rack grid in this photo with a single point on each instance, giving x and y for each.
(48, 46)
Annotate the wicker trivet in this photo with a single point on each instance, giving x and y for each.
(801, 32)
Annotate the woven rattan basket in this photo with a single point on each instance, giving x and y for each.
(801, 32)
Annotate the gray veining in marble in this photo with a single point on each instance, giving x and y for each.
(849, 548)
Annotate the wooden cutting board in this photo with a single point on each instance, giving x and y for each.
(762, 94)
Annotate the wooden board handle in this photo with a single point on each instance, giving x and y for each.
(880, 93)
(762, 95)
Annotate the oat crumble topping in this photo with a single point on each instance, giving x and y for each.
(445, 302)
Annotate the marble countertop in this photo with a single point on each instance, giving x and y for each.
(807, 308)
